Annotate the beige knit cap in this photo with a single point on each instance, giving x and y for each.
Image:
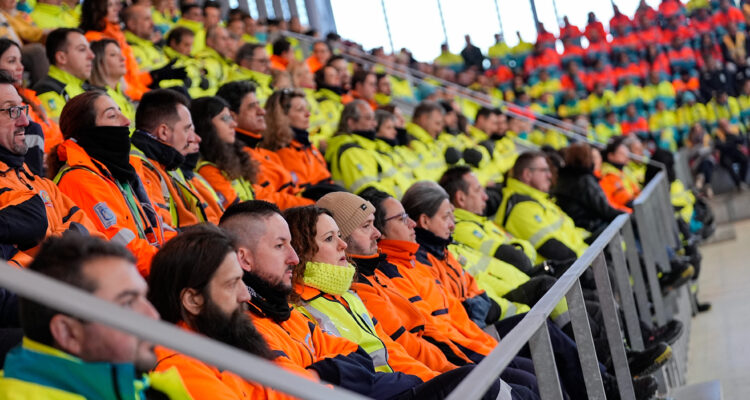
(349, 210)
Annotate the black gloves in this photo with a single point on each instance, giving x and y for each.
(167, 72)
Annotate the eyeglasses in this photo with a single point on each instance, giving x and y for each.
(226, 118)
(544, 170)
(404, 218)
(15, 112)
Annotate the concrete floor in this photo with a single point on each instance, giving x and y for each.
(720, 338)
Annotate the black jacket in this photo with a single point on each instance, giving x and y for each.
(578, 193)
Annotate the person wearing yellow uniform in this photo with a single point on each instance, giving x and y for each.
(140, 28)
(109, 68)
(427, 123)
(253, 65)
(663, 125)
(498, 51)
(328, 96)
(723, 106)
(192, 18)
(527, 212)
(448, 59)
(70, 60)
(216, 57)
(355, 162)
(179, 42)
(50, 14)
(608, 128)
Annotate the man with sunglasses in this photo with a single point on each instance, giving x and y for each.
(32, 206)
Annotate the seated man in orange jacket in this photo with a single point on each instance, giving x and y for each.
(31, 206)
(267, 257)
(164, 135)
(196, 283)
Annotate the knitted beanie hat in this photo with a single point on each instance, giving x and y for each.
(349, 210)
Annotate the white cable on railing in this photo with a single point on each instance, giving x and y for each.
(481, 378)
(71, 300)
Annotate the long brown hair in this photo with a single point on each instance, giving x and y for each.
(278, 132)
(579, 155)
(303, 225)
(230, 158)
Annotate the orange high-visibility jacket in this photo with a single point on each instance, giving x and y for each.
(306, 163)
(419, 335)
(414, 279)
(90, 185)
(22, 192)
(214, 210)
(398, 359)
(618, 188)
(274, 181)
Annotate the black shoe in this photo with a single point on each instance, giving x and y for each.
(668, 333)
(703, 307)
(680, 275)
(647, 361)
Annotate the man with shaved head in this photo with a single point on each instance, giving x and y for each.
(139, 33)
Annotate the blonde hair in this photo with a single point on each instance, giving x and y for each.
(278, 132)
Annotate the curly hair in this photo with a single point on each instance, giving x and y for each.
(229, 157)
(278, 131)
(303, 223)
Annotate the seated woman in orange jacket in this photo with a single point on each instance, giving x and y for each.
(287, 121)
(10, 61)
(224, 163)
(96, 175)
(620, 189)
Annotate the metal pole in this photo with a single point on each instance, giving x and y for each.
(442, 21)
(70, 300)
(557, 15)
(545, 368)
(499, 20)
(536, 17)
(579, 320)
(388, 26)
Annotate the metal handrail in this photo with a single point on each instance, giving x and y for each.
(74, 301)
(479, 380)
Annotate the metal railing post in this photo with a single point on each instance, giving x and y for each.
(545, 367)
(612, 324)
(627, 302)
(636, 272)
(586, 351)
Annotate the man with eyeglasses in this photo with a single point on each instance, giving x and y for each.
(32, 206)
(354, 158)
(527, 213)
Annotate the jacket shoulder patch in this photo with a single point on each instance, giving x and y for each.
(106, 216)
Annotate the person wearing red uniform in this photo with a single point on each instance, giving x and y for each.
(544, 37)
(593, 25)
(620, 23)
(570, 31)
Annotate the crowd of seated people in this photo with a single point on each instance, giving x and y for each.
(169, 160)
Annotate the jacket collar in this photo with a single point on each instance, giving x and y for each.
(399, 250)
(366, 265)
(156, 150)
(131, 37)
(250, 139)
(64, 77)
(419, 133)
(516, 186)
(14, 161)
(464, 215)
(432, 243)
(74, 155)
(43, 365)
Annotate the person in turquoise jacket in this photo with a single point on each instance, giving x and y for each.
(64, 357)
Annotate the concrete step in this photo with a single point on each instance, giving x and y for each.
(731, 207)
(710, 390)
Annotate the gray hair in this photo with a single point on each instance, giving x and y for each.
(381, 116)
(423, 197)
(350, 111)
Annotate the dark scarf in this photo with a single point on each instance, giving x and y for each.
(154, 149)
(269, 301)
(249, 141)
(431, 243)
(13, 160)
(189, 164)
(335, 89)
(616, 165)
(365, 134)
(366, 266)
(109, 145)
(391, 142)
(302, 136)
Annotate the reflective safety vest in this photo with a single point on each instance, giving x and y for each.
(228, 192)
(345, 316)
(482, 234)
(529, 214)
(50, 16)
(218, 69)
(430, 153)
(329, 109)
(683, 201)
(124, 213)
(262, 81)
(55, 89)
(199, 42)
(619, 188)
(146, 54)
